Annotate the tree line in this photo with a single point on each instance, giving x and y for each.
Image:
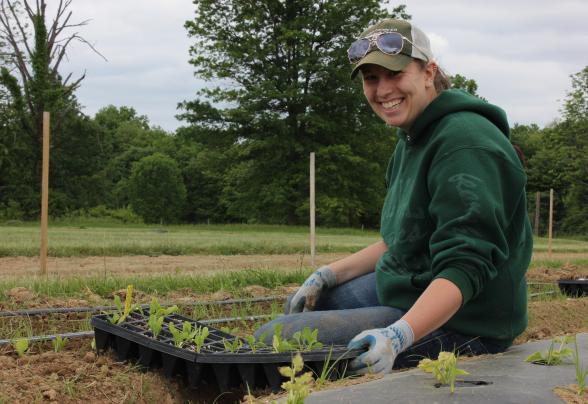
(242, 153)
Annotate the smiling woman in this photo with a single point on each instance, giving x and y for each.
(449, 269)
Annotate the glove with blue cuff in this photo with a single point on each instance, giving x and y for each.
(307, 295)
(384, 345)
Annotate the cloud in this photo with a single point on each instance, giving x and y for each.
(521, 53)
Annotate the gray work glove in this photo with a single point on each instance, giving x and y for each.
(307, 295)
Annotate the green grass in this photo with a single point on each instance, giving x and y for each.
(560, 245)
(108, 239)
(232, 282)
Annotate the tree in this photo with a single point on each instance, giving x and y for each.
(156, 189)
(463, 83)
(574, 137)
(286, 92)
(31, 83)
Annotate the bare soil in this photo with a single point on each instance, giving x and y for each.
(76, 374)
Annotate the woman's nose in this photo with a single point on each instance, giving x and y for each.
(384, 88)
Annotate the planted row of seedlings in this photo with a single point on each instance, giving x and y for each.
(158, 337)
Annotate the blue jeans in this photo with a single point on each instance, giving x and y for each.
(352, 307)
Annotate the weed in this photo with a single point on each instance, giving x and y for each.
(298, 387)
(553, 356)
(444, 368)
(69, 385)
(581, 373)
(59, 343)
(21, 346)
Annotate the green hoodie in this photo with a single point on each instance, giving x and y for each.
(456, 209)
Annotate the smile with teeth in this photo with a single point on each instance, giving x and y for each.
(392, 104)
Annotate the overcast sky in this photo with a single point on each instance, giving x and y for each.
(520, 52)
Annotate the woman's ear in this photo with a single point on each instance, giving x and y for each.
(430, 72)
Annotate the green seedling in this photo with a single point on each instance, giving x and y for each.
(250, 339)
(553, 356)
(444, 368)
(231, 331)
(59, 343)
(157, 315)
(200, 337)
(278, 343)
(233, 345)
(298, 387)
(187, 333)
(256, 344)
(581, 373)
(21, 346)
(306, 340)
(122, 312)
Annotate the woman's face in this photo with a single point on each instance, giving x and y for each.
(399, 97)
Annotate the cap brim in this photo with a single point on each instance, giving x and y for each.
(390, 62)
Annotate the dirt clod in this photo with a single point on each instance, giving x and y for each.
(50, 395)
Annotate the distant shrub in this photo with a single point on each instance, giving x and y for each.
(11, 211)
(123, 215)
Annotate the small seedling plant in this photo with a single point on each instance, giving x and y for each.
(307, 339)
(581, 372)
(233, 345)
(554, 355)
(254, 344)
(298, 387)
(21, 346)
(59, 343)
(122, 312)
(444, 368)
(280, 344)
(157, 314)
(187, 333)
(200, 337)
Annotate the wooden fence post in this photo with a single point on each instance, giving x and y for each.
(312, 212)
(537, 207)
(550, 222)
(45, 195)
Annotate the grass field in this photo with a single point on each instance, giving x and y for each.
(100, 238)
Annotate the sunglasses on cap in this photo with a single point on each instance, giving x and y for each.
(388, 42)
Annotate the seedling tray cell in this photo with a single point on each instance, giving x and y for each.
(245, 368)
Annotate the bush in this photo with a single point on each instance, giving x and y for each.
(157, 191)
(11, 210)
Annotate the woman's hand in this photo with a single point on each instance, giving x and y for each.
(307, 295)
(384, 344)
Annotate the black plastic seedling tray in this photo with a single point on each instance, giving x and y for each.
(132, 340)
(574, 287)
